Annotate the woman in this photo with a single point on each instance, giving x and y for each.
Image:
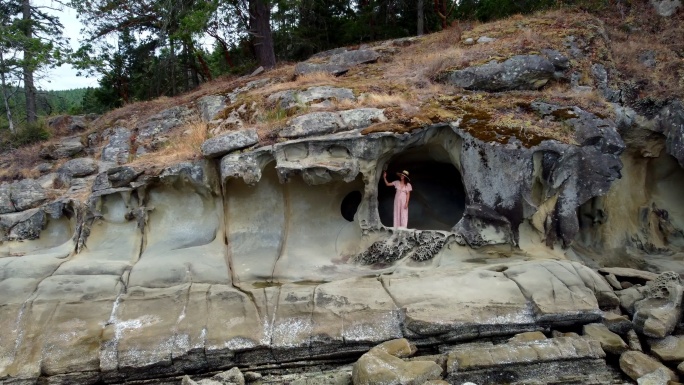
(401, 199)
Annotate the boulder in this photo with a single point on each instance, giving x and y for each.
(637, 364)
(658, 377)
(292, 98)
(353, 58)
(670, 348)
(118, 148)
(27, 194)
(65, 148)
(209, 106)
(666, 8)
(521, 72)
(528, 337)
(79, 167)
(660, 311)
(380, 368)
(320, 123)
(223, 144)
(610, 342)
(307, 68)
(400, 348)
(231, 377)
(163, 122)
(339, 62)
(559, 61)
(629, 297)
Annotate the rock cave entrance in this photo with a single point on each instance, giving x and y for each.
(438, 197)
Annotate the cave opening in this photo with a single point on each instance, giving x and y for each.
(438, 198)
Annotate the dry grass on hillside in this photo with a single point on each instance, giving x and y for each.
(403, 82)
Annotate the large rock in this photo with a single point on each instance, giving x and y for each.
(626, 272)
(6, 205)
(339, 62)
(670, 348)
(27, 194)
(226, 143)
(65, 148)
(637, 364)
(209, 106)
(118, 148)
(79, 167)
(292, 98)
(545, 361)
(320, 123)
(610, 342)
(671, 124)
(522, 72)
(163, 122)
(660, 311)
(380, 368)
(658, 377)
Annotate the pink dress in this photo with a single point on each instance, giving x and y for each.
(400, 209)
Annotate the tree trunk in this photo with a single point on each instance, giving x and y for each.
(226, 50)
(260, 29)
(173, 67)
(5, 97)
(421, 17)
(29, 87)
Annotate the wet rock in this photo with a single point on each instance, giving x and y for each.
(209, 106)
(666, 8)
(79, 167)
(610, 342)
(660, 311)
(226, 143)
(118, 148)
(27, 194)
(380, 368)
(543, 361)
(65, 148)
(520, 72)
(637, 364)
(670, 348)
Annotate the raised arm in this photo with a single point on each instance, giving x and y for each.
(384, 177)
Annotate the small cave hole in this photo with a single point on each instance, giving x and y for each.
(438, 198)
(350, 204)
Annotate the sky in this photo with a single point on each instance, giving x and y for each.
(64, 77)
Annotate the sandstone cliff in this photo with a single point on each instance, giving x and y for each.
(246, 224)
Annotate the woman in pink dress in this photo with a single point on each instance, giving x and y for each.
(401, 198)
